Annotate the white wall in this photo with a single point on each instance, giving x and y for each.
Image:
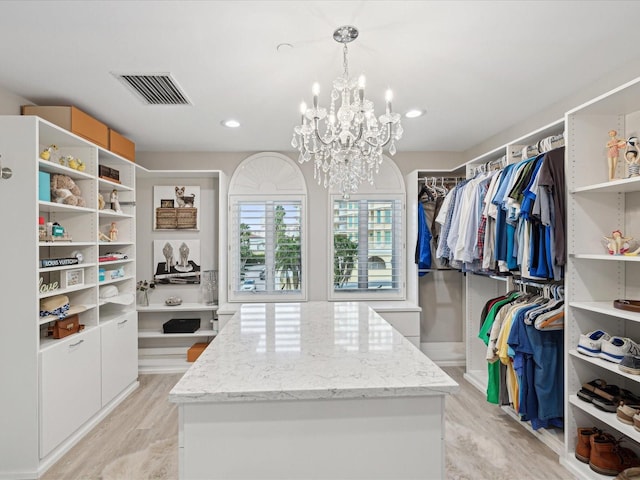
(10, 103)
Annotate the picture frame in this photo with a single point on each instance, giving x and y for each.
(71, 278)
(176, 207)
(176, 262)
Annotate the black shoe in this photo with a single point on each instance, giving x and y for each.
(630, 364)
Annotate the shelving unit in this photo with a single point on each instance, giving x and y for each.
(480, 288)
(162, 353)
(595, 279)
(63, 387)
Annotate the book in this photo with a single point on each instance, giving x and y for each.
(58, 262)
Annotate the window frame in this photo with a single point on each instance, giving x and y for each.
(234, 252)
(399, 237)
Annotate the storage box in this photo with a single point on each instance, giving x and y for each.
(122, 145)
(181, 325)
(194, 352)
(73, 120)
(166, 218)
(44, 186)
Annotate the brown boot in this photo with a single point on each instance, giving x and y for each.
(583, 447)
(608, 457)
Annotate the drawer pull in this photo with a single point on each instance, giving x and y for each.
(76, 344)
(123, 322)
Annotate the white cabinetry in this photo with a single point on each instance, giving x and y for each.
(59, 388)
(167, 352)
(595, 279)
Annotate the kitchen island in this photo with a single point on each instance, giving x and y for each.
(317, 390)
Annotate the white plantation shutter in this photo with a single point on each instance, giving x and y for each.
(367, 247)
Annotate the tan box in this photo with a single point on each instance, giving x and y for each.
(194, 352)
(187, 217)
(166, 218)
(122, 146)
(73, 120)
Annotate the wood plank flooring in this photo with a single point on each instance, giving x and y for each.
(139, 441)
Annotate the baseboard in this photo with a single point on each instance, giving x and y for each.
(445, 354)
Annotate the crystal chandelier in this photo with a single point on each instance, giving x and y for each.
(345, 144)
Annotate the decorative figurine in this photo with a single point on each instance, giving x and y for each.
(101, 202)
(613, 152)
(115, 204)
(46, 153)
(617, 244)
(113, 232)
(631, 157)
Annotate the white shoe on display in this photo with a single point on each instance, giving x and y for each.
(616, 348)
(591, 343)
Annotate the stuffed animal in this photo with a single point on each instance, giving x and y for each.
(64, 190)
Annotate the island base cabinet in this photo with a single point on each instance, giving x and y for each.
(69, 387)
(372, 438)
(119, 355)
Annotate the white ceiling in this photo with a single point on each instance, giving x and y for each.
(477, 67)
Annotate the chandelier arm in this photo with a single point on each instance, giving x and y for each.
(316, 131)
(386, 141)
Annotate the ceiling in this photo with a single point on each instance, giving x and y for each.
(476, 67)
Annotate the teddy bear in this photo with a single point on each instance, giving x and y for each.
(64, 190)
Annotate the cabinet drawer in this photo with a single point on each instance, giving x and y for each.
(74, 120)
(119, 355)
(69, 387)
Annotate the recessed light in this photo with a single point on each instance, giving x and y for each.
(415, 113)
(230, 123)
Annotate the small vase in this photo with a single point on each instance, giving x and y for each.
(143, 300)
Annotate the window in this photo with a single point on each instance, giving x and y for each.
(267, 257)
(367, 247)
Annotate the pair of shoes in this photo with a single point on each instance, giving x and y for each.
(583, 447)
(609, 397)
(616, 348)
(607, 457)
(630, 364)
(591, 343)
(632, 473)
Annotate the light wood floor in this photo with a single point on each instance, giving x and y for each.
(139, 440)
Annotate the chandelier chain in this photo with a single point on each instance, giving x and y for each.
(345, 63)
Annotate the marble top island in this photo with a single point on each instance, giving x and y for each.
(314, 390)
(304, 351)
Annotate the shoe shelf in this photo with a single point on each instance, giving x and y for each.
(610, 366)
(608, 418)
(581, 470)
(606, 308)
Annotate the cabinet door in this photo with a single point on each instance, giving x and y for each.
(119, 355)
(69, 387)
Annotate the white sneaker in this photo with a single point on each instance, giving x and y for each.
(591, 343)
(616, 348)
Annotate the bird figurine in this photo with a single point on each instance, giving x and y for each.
(46, 153)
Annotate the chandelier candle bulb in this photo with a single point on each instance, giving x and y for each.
(316, 91)
(388, 96)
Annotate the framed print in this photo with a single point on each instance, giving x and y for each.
(176, 207)
(176, 261)
(71, 278)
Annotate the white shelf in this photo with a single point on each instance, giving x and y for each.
(165, 364)
(52, 167)
(50, 342)
(607, 418)
(602, 363)
(113, 214)
(606, 308)
(61, 207)
(622, 185)
(66, 244)
(64, 291)
(105, 184)
(160, 334)
(184, 307)
(52, 318)
(604, 256)
(116, 262)
(115, 280)
(581, 470)
(119, 244)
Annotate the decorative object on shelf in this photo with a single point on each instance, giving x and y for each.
(181, 325)
(143, 287)
(73, 162)
(65, 327)
(72, 278)
(115, 204)
(173, 301)
(111, 294)
(613, 152)
(176, 207)
(209, 287)
(53, 232)
(117, 273)
(113, 232)
(182, 270)
(195, 351)
(631, 305)
(46, 153)
(47, 287)
(617, 244)
(61, 262)
(631, 157)
(349, 151)
(108, 173)
(101, 202)
(64, 190)
(58, 307)
(44, 186)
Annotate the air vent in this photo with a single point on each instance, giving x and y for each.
(155, 88)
